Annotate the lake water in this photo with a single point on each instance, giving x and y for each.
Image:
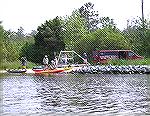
(74, 94)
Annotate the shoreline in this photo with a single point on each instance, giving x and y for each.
(30, 71)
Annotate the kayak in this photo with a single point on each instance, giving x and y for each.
(48, 70)
(16, 70)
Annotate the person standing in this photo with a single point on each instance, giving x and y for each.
(45, 61)
(85, 58)
(65, 59)
(56, 61)
(24, 62)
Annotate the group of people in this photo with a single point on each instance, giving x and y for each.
(46, 62)
(53, 62)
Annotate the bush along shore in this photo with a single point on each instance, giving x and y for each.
(145, 61)
(15, 65)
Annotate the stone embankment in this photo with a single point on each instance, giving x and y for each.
(98, 69)
(144, 69)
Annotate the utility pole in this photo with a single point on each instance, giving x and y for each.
(143, 25)
(144, 44)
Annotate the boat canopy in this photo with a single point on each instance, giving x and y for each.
(69, 58)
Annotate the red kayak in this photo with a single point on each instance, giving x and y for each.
(48, 70)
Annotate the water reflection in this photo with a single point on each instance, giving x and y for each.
(81, 94)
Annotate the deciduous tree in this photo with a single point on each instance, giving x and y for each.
(103, 39)
(1, 43)
(138, 36)
(74, 29)
(49, 39)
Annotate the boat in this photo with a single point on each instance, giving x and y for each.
(38, 68)
(72, 59)
(16, 70)
(65, 62)
(48, 70)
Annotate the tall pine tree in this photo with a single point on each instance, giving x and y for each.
(91, 16)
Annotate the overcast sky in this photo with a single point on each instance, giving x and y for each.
(31, 13)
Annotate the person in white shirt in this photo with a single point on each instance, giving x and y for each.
(45, 61)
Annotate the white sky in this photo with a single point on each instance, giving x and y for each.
(31, 13)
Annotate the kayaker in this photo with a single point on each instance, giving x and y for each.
(24, 62)
(52, 66)
(56, 61)
(45, 61)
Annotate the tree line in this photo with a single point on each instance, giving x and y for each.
(83, 31)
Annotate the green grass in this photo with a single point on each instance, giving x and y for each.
(16, 65)
(145, 61)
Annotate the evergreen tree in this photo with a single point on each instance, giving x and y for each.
(91, 16)
(20, 32)
(106, 22)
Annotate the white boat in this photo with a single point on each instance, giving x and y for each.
(69, 59)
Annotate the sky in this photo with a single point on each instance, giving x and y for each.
(32, 13)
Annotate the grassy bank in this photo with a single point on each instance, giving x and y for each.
(15, 65)
(145, 61)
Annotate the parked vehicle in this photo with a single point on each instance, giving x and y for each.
(103, 56)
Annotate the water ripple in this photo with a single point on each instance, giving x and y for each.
(75, 95)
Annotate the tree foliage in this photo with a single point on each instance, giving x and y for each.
(1, 43)
(20, 32)
(103, 39)
(49, 39)
(106, 22)
(74, 29)
(7, 49)
(90, 15)
(138, 36)
(79, 32)
(12, 45)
